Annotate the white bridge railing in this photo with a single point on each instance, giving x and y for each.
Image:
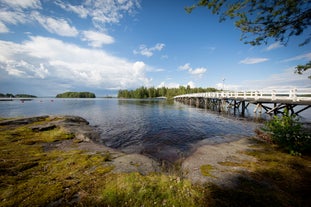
(273, 95)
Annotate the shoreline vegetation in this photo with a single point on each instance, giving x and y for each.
(152, 92)
(58, 161)
(76, 95)
(9, 95)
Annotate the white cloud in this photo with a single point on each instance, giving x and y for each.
(168, 85)
(148, 52)
(3, 28)
(253, 60)
(79, 9)
(230, 87)
(97, 39)
(285, 80)
(23, 3)
(306, 56)
(274, 46)
(197, 71)
(102, 12)
(191, 84)
(56, 26)
(59, 62)
(14, 72)
(185, 67)
(13, 17)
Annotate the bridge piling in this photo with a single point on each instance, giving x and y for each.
(239, 101)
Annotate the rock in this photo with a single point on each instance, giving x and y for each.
(41, 128)
(85, 137)
(213, 155)
(135, 163)
(77, 126)
(74, 120)
(21, 121)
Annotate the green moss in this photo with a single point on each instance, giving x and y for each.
(206, 170)
(231, 164)
(29, 176)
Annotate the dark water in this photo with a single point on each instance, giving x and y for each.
(165, 131)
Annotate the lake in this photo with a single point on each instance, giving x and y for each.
(156, 128)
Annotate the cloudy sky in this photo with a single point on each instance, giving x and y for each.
(48, 47)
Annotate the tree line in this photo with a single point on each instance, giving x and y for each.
(76, 95)
(9, 95)
(152, 92)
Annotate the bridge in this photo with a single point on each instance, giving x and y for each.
(272, 101)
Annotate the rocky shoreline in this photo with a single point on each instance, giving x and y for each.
(59, 161)
(86, 137)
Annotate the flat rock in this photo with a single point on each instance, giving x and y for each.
(41, 128)
(86, 138)
(21, 121)
(214, 155)
(135, 163)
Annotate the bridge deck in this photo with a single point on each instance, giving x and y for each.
(280, 99)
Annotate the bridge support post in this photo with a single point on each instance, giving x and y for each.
(219, 105)
(243, 108)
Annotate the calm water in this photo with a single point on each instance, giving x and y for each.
(152, 127)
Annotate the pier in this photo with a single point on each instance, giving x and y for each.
(272, 101)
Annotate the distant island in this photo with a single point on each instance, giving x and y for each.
(152, 92)
(76, 95)
(9, 95)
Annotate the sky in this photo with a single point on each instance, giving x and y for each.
(49, 47)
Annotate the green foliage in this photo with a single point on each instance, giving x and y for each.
(9, 95)
(152, 92)
(263, 19)
(288, 133)
(25, 96)
(76, 95)
(300, 69)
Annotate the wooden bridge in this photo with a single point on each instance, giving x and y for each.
(273, 101)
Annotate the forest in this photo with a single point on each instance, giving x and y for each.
(76, 95)
(152, 92)
(9, 95)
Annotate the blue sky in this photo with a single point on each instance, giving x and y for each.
(48, 47)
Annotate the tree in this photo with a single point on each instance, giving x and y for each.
(264, 19)
(76, 95)
(301, 68)
(277, 19)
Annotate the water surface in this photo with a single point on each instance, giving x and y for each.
(161, 130)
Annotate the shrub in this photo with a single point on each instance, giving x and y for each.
(287, 132)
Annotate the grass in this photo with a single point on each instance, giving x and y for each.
(31, 175)
(152, 190)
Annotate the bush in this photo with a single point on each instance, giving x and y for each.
(288, 133)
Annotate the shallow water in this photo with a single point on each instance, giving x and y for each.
(156, 128)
